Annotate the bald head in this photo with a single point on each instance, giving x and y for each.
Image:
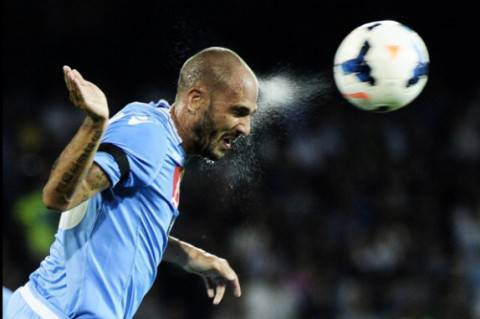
(214, 68)
(216, 97)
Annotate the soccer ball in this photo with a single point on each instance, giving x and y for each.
(381, 66)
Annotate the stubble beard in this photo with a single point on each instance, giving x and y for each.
(204, 133)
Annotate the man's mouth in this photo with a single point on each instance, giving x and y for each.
(228, 141)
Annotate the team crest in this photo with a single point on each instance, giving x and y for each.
(177, 178)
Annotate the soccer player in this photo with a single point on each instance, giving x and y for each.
(117, 184)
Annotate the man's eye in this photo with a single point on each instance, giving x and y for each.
(240, 112)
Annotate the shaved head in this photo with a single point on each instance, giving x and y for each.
(216, 97)
(214, 67)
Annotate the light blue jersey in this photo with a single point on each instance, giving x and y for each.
(6, 295)
(106, 252)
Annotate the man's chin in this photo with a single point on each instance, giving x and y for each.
(214, 155)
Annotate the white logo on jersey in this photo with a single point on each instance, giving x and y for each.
(116, 117)
(139, 119)
(72, 217)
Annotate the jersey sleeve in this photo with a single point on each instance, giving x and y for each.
(143, 142)
(109, 166)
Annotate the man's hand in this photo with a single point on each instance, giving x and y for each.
(215, 271)
(86, 95)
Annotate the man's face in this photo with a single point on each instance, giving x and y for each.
(227, 117)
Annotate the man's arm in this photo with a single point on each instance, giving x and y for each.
(73, 178)
(216, 272)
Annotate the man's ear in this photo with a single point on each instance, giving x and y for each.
(197, 98)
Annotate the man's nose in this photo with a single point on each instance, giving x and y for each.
(244, 127)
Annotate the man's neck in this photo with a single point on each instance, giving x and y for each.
(182, 130)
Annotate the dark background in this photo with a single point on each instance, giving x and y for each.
(328, 212)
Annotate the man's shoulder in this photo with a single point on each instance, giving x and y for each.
(136, 113)
(138, 123)
(160, 106)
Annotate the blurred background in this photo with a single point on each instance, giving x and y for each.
(325, 212)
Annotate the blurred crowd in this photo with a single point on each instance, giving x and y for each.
(333, 213)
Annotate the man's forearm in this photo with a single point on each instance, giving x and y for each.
(71, 167)
(179, 252)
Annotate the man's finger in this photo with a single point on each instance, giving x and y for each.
(76, 93)
(66, 77)
(75, 82)
(237, 291)
(210, 290)
(232, 277)
(219, 294)
(77, 74)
